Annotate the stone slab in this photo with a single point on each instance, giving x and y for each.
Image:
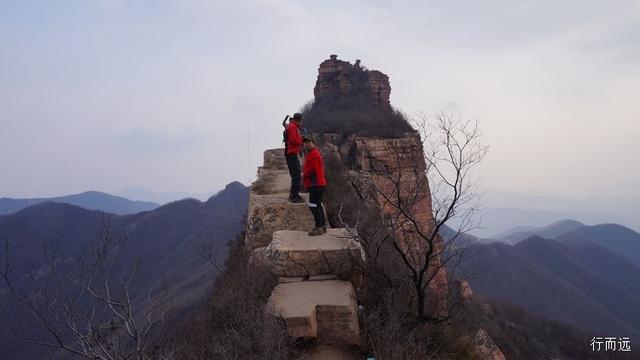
(272, 182)
(270, 213)
(295, 253)
(325, 310)
(274, 159)
(269, 208)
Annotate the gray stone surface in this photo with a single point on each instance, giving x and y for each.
(325, 310)
(269, 208)
(308, 296)
(274, 159)
(270, 213)
(295, 253)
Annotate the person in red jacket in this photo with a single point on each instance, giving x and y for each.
(292, 147)
(314, 181)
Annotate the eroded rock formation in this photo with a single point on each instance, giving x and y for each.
(317, 275)
(397, 167)
(338, 78)
(397, 170)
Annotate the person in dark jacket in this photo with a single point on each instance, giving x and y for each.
(314, 181)
(292, 148)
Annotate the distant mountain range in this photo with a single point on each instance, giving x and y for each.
(588, 276)
(617, 238)
(519, 233)
(503, 209)
(144, 194)
(169, 242)
(92, 200)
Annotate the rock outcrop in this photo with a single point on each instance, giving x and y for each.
(464, 290)
(392, 167)
(338, 78)
(398, 171)
(315, 294)
(485, 348)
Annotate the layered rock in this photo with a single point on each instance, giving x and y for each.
(397, 170)
(338, 78)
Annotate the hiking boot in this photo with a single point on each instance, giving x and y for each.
(316, 231)
(296, 200)
(324, 229)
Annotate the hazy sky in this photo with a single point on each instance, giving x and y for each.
(185, 95)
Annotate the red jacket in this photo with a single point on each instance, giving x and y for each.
(313, 169)
(294, 140)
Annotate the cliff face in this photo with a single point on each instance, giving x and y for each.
(395, 170)
(394, 165)
(338, 79)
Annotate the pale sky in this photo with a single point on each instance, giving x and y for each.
(185, 95)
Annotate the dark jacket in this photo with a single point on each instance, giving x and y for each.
(294, 140)
(313, 169)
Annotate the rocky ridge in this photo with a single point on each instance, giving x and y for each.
(318, 276)
(315, 293)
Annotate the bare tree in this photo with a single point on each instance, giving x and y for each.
(419, 195)
(88, 306)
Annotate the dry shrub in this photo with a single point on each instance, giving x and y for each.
(235, 325)
(354, 115)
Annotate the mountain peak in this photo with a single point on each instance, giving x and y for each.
(339, 78)
(232, 193)
(565, 225)
(234, 185)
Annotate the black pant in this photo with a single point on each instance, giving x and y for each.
(315, 205)
(293, 163)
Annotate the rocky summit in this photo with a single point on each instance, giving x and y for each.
(340, 79)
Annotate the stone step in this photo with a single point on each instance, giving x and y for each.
(272, 182)
(270, 213)
(274, 159)
(325, 310)
(296, 254)
(270, 209)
